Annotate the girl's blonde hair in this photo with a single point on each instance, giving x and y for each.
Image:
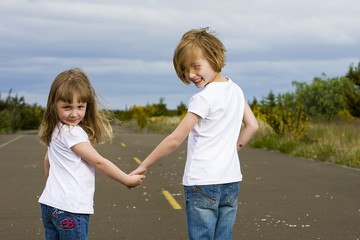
(66, 84)
(211, 48)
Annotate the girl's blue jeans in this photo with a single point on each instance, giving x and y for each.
(211, 210)
(63, 225)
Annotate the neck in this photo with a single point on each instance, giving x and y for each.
(218, 78)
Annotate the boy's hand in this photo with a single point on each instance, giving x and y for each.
(140, 170)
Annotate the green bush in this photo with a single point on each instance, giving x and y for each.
(17, 115)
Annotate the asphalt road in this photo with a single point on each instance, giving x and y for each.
(281, 197)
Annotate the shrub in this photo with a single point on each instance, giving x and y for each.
(16, 115)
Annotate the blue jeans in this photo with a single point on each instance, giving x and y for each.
(211, 210)
(63, 225)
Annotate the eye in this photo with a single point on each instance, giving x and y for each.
(82, 106)
(195, 65)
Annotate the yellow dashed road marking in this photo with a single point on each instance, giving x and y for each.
(166, 194)
(171, 200)
(137, 160)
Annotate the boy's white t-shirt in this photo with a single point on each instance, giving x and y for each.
(71, 182)
(212, 156)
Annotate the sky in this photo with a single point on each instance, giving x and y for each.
(126, 46)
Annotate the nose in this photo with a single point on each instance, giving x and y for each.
(73, 113)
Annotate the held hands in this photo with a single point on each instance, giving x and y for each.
(134, 180)
(139, 172)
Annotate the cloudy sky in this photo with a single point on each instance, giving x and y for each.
(126, 46)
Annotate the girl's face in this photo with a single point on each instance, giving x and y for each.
(71, 113)
(200, 72)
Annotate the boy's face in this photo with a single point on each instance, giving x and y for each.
(200, 72)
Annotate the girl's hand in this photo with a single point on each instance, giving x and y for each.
(134, 181)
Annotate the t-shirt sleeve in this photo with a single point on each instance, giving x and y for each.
(199, 106)
(73, 135)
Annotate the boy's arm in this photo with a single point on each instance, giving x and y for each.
(90, 155)
(46, 165)
(170, 143)
(250, 127)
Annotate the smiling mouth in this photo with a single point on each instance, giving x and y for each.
(197, 80)
(73, 120)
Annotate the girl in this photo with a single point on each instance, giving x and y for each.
(71, 124)
(213, 121)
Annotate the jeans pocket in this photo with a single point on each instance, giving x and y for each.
(233, 194)
(204, 196)
(64, 220)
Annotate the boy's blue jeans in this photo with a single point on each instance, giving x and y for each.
(63, 225)
(211, 210)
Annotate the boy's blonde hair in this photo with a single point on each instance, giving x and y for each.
(211, 48)
(65, 85)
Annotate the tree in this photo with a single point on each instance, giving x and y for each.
(269, 101)
(352, 97)
(324, 97)
(254, 103)
(160, 109)
(181, 109)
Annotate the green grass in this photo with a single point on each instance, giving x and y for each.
(160, 124)
(163, 124)
(336, 142)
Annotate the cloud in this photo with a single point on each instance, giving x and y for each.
(126, 47)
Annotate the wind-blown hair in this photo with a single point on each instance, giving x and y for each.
(65, 86)
(211, 49)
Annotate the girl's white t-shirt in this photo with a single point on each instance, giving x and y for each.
(212, 156)
(71, 182)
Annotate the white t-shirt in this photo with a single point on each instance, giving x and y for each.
(212, 156)
(71, 182)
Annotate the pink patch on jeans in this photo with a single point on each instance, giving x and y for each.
(68, 224)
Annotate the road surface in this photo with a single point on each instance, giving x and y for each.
(281, 197)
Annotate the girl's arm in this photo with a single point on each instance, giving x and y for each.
(170, 143)
(90, 155)
(250, 127)
(46, 165)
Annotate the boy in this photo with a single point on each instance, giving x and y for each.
(213, 122)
